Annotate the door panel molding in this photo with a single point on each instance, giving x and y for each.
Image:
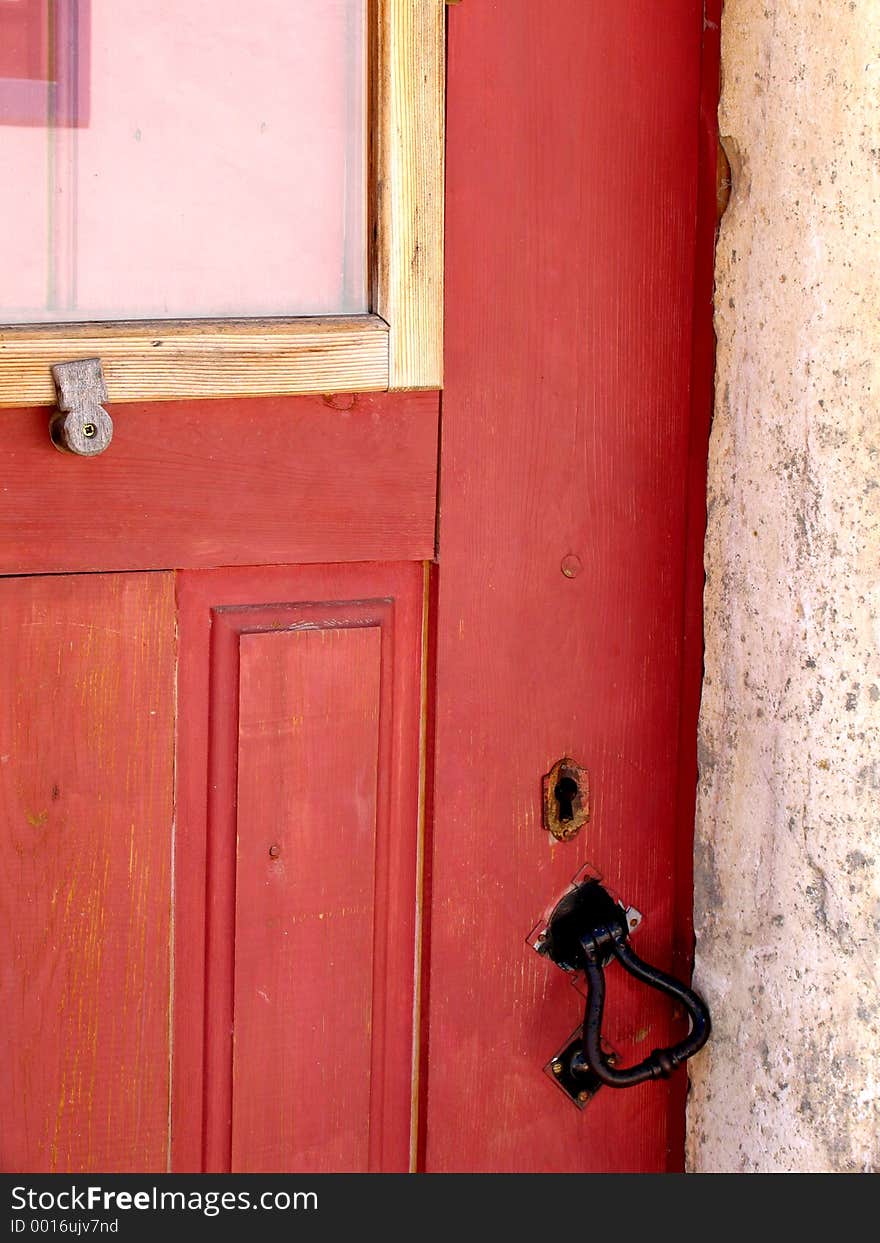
(251, 670)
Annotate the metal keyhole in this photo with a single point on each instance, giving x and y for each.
(565, 792)
(565, 795)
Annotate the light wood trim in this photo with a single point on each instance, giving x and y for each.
(409, 204)
(169, 360)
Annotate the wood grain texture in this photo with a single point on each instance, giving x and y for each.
(344, 478)
(308, 750)
(571, 206)
(172, 360)
(86, 788)
(330, 647)
(408, 159)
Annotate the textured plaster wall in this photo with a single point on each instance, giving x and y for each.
(788, 834)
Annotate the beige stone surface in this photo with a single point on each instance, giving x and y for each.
(788, 834)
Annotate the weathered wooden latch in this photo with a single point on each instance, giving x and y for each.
(80, 425)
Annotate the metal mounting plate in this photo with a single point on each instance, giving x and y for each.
(581, 1088)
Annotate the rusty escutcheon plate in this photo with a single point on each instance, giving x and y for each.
(566, 791)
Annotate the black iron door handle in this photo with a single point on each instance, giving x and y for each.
(660, 1063)
(585, 931)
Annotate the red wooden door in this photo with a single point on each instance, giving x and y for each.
(275, 715)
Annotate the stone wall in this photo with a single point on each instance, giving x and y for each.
(788, 833)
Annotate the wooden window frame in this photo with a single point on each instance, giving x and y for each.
(397, 345)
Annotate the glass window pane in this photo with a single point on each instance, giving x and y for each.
(182, 160)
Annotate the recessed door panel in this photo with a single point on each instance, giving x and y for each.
(298, 868)
(308, 752)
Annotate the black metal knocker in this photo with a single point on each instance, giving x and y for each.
(586, 929)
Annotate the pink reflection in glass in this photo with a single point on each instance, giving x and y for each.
(171, 161)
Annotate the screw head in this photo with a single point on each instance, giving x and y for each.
(583, 1097)
(571, 565)
(557, 1068)
(274, 851)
